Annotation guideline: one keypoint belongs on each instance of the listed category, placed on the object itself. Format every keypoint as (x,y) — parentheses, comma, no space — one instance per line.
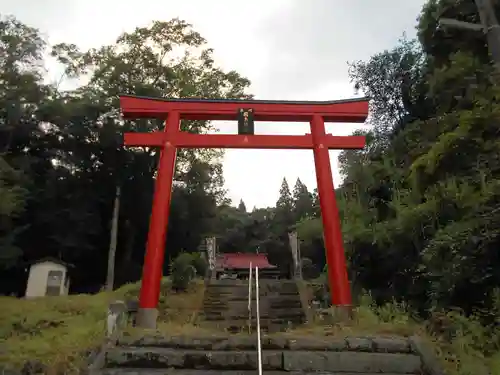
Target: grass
(57,331)
(60,331)
(463,344)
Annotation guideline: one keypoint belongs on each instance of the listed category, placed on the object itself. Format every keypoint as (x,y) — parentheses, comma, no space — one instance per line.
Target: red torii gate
(174,110)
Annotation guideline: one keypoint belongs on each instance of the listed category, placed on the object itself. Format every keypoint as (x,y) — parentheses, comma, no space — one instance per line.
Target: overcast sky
(289,49)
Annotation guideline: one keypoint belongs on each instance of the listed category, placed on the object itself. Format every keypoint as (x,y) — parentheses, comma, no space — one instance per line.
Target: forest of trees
(420,205)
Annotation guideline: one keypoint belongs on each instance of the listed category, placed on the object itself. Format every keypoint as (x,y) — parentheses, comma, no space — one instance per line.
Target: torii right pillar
(340,289)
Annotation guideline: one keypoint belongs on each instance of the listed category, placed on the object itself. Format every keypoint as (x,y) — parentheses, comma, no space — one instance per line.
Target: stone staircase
(281,354)
(225,305)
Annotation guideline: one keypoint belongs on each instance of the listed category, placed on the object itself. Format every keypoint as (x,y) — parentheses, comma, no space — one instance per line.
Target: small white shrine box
(48,277)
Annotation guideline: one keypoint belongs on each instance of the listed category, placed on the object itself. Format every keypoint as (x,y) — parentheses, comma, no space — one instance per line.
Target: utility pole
(110,278)
(489,25)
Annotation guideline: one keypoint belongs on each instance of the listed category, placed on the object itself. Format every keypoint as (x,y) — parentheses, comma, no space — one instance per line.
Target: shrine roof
(51,260)
(243,261)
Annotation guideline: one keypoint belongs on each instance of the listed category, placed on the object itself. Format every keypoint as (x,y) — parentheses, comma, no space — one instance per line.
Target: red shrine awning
(243,261)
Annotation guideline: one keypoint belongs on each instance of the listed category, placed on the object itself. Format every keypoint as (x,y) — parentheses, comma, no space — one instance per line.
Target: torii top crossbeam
(351,110)
(348,110)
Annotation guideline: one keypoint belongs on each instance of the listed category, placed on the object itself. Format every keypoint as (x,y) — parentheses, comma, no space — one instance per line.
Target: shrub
(200,264)
(182,271)
(309,270)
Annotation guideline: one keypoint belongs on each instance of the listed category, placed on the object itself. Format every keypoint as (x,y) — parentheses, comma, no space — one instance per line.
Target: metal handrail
(250,298)
(257,311)
(257,308)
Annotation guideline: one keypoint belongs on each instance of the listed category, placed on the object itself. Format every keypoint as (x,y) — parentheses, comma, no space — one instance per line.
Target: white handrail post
(259,349)
(250,299)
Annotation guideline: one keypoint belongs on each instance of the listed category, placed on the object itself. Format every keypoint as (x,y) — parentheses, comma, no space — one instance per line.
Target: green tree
(302,201)
(410,226)
(12,203)
(241,206)
(285,201)
(64,153)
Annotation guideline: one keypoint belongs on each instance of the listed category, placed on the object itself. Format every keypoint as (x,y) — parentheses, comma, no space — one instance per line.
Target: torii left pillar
(158,227)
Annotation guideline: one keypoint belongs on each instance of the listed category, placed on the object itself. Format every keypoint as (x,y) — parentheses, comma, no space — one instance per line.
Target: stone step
(217,301)
(278,304)
(237,297)
(235,301)
(271,299)
(244,289)
(230,294)
(262,311)
(262,282)
(245,281)
(241,325)
(142,371)
(279,286)
(286,306)
(295,311)
(243,320)
(216,307)
(243,305)
(241,289)
(243,313)
(264,319)
(275,360)
(228,298)
(274,342)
